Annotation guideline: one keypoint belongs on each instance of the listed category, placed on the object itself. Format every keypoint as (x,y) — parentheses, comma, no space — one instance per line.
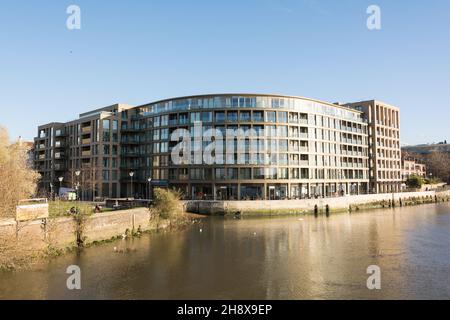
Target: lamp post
(131,176)
(60,179)
(51,191)
(149,187)
(77,173)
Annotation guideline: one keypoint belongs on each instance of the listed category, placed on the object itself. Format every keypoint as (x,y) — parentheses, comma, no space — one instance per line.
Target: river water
(299,257)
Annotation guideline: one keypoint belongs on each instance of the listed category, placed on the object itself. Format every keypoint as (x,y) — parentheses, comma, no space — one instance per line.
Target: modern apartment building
(384,145)
(283,147)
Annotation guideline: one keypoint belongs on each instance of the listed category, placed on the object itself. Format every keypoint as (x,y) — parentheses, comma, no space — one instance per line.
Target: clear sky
(139,51)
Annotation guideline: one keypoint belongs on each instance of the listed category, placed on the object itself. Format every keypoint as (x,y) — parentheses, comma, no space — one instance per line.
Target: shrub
(167,203)
(414,182)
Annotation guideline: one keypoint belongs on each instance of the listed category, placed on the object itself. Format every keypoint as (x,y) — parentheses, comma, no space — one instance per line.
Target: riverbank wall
(311,206)
(64,232)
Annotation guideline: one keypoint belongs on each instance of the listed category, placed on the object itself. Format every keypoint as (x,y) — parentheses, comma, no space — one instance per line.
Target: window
(206,117)
(271,116)
(164,120)
(258,116)
(282,173)
(245,173)
(106,124)
(220,173)
(282,145)
(164,134)
(282,116)
(244,116)
(258,173)
(156,134)
(232,173)
(232,116)
(220,116)
(282,131)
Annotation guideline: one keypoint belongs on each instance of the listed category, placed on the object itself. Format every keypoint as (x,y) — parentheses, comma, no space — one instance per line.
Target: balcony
(59,144)
(86,141)
(60,167)
(303,149)
(304,163)
(130,129)
(59,155)
(41,157)
(41,146)
(60,133)
(86,129)
(87,153)
(130,154)
(130,141)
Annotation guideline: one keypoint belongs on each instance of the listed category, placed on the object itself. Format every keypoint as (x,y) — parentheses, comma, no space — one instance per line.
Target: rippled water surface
(262,258)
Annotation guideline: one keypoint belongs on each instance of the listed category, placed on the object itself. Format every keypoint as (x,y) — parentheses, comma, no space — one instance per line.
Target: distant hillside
(427,148)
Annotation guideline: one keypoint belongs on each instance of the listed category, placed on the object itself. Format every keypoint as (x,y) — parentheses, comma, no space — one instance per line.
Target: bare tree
(438,164)
(17,181)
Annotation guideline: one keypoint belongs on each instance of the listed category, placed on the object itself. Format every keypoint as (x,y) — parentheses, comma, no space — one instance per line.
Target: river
(299,257)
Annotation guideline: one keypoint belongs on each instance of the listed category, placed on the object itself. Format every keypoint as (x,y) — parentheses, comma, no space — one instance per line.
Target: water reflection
(270,258)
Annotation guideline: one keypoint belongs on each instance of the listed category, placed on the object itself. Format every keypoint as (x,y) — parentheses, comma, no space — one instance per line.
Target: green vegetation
(62,208)
(167,203)
(414,182)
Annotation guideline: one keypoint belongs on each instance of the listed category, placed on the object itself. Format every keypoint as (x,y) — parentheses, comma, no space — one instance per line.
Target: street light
(149,187)
(77,173)
(51,191)
(60,182)
(131,175)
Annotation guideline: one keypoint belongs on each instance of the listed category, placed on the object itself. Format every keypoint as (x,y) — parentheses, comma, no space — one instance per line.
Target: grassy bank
(62,208)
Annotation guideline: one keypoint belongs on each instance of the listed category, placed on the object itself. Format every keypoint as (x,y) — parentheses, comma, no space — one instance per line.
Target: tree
(17,180)
(414,182)
(438,163)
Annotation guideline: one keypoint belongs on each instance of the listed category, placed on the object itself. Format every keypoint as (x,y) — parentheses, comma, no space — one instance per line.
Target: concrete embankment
(310,206)
(64,232)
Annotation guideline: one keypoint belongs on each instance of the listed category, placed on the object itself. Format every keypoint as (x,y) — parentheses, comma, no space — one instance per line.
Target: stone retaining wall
(305,205)
(61,232)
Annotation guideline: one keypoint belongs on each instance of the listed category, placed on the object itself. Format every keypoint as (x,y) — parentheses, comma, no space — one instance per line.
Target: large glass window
(282,117)
(206,117)
(220,174)
(245,173)
(258,116)
(232,116)
(271,116)
(244,116)
(220,116)
(195,117)
(282,131)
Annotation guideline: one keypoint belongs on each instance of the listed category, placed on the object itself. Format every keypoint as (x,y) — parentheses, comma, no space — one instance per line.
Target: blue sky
(139,51)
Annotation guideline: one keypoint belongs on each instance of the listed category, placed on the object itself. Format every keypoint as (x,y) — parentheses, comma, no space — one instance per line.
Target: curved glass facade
(296,147)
